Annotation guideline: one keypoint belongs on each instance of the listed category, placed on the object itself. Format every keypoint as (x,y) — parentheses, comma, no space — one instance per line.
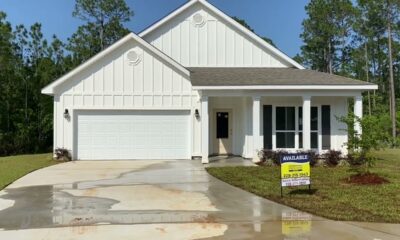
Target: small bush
(314,156)
(265,154)
(332,157)
(274,156)
(343,163)
(62,154)
(356,159)
(362,161)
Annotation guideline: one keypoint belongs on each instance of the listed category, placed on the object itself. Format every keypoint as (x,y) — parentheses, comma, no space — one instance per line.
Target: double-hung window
(314,127)
(285,127)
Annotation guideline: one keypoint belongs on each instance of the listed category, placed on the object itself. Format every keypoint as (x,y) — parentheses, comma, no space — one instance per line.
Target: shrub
(362,160)
(274,156)
(62,154)
(265,154)
(374,136)
(344,163)
(314,156)
(332,157)
(356,158)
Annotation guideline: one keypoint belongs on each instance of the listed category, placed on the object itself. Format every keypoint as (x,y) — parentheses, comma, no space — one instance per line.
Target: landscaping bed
(332,197)
(14,167)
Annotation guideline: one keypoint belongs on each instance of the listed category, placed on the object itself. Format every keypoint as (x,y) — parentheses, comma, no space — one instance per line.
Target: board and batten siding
(215,43)
(113,83)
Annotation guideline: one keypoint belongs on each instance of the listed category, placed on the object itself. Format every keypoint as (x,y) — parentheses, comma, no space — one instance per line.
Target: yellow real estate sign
(295,170)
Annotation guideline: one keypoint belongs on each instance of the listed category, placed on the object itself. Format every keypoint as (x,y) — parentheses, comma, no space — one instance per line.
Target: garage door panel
(133,135)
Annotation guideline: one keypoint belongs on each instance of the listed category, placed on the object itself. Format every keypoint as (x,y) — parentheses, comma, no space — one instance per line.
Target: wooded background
(359,40)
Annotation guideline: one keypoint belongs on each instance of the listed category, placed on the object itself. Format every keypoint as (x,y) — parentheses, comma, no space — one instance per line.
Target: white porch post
(204,129)
(306,122)
(358,112)
(256,127)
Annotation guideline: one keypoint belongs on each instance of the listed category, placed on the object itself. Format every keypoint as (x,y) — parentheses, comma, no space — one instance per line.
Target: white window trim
(297,131)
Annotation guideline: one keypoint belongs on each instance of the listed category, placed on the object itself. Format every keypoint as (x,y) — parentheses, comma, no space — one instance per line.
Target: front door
(223,133)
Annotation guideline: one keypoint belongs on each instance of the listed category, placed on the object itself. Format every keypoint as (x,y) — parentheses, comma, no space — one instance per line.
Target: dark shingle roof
(265,76)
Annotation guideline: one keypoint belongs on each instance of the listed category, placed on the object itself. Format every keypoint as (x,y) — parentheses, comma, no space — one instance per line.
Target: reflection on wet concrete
(181,192)
(296,224)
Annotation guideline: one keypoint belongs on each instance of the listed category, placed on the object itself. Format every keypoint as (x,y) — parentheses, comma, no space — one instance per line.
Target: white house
(195,84)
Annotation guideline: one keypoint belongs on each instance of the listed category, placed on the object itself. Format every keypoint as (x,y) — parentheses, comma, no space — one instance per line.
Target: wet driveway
(155,200)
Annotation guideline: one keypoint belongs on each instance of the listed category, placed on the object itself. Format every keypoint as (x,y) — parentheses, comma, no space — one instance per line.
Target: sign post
(295,171)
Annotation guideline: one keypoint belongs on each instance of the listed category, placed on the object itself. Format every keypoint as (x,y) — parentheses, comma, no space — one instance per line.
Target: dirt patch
(366,179)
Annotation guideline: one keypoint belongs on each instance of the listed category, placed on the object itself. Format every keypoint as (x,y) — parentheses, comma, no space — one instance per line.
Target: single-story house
(194,84)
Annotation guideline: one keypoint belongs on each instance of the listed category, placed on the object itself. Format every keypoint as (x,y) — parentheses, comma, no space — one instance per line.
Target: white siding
(114,83)
(216,43)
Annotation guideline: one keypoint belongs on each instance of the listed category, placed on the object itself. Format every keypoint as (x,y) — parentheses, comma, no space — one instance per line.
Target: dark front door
(223,138)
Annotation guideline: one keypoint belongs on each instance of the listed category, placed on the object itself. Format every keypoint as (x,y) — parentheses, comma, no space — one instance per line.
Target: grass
(331,197)
(14,167)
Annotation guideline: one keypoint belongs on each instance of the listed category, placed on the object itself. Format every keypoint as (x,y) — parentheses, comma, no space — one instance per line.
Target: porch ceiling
(268,77)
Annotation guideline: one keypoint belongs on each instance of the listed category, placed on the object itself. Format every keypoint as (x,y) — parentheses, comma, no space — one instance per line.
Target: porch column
(306,122)
(256,127)
(204,130)
(358,112)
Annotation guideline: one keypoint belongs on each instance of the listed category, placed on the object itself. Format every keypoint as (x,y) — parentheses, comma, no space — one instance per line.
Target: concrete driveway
(155,200)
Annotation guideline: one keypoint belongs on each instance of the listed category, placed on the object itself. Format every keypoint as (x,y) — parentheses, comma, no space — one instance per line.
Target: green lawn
(14,167)
(332,198)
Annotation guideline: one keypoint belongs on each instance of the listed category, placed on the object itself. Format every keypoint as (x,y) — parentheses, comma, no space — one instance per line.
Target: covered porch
(245,110)
(242,123)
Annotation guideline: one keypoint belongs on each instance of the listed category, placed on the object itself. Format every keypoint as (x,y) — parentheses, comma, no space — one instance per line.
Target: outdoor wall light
(66,114)
(197,114)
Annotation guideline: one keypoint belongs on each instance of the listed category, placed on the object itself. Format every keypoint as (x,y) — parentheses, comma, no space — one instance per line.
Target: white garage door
(105,135)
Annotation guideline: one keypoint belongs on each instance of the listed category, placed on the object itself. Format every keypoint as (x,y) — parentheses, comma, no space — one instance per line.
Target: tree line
(28,62)
(358,39)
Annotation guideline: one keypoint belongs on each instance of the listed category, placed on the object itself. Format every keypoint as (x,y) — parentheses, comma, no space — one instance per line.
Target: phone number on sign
(296,175)
(295,182)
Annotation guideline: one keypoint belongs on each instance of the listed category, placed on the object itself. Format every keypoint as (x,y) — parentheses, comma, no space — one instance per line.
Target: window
(314,127)
(285,127)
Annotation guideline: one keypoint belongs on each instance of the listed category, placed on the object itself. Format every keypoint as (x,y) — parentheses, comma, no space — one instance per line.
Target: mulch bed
(366,179)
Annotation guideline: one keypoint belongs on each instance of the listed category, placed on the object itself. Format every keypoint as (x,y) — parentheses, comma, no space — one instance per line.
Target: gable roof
(50,89)
(271,78)
(228,19)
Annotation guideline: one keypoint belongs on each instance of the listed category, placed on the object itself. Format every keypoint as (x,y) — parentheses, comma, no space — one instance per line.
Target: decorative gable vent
(133,57)
(198,20)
